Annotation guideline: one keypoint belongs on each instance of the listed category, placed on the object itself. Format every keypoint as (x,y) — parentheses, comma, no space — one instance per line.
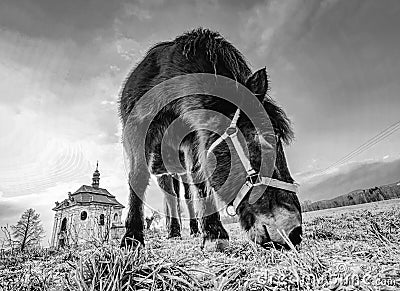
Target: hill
(373,194)
(346,178)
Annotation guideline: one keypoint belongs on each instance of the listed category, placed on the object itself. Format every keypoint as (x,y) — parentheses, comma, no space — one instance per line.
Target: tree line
(385,192)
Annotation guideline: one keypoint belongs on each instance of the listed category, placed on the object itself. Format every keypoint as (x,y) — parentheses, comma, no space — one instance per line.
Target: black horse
(276,212)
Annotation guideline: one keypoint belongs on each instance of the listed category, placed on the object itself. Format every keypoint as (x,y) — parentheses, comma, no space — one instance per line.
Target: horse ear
(258,83)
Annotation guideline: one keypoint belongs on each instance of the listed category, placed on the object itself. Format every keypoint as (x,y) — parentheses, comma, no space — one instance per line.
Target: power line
(368,144)
(377,138)
(371,142)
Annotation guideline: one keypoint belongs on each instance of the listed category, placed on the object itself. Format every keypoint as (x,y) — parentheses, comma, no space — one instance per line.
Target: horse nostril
(295,235)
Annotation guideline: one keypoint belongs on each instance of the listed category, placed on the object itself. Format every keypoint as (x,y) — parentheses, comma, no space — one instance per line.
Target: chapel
(90,214)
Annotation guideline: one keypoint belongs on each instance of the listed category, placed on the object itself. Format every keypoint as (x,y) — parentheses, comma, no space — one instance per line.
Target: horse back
(198,51)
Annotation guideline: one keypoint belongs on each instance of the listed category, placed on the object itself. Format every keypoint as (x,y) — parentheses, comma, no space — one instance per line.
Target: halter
(253,178)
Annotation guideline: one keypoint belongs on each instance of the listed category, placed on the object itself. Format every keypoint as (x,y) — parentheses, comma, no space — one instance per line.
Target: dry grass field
(350,248)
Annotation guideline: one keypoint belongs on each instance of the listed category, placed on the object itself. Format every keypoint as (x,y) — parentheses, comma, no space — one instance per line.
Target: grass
(353,249)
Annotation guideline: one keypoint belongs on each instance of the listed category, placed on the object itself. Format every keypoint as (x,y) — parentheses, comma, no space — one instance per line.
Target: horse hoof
(174,236)
(130,244)
(221,245)
(218,245)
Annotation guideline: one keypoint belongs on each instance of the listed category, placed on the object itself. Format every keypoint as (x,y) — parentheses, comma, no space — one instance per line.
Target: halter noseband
(253,178)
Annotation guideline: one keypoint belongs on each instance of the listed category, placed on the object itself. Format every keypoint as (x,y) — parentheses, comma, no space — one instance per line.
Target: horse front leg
(211,224)
(134,224)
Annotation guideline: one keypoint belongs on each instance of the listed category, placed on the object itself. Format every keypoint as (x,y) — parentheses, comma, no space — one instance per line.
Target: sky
(334,67)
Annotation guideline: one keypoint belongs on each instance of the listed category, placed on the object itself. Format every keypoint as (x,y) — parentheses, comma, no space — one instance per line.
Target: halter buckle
(254,179)
(230,210)
(231,131)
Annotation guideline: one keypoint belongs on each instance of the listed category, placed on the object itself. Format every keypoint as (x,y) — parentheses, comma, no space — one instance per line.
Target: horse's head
(277,211)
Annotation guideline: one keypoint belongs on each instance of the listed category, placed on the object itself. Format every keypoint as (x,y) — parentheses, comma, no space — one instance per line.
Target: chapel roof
(88,195)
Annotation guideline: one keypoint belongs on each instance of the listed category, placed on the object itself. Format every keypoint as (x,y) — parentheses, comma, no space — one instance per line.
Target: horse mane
(203,51)
(280,121)
(217,49)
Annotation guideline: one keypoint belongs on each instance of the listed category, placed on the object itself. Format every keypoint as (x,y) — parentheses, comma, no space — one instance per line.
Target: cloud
(67,89)
(51,109)
(56,162)
(9,212)
(60,20)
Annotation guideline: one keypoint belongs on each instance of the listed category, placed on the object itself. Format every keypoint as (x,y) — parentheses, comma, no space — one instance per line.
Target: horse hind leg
(194,227)
(167,215)
(166,185)
(177,187)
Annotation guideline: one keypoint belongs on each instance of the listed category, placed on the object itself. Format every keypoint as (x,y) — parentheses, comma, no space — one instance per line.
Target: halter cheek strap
(253,180)
(259,188)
